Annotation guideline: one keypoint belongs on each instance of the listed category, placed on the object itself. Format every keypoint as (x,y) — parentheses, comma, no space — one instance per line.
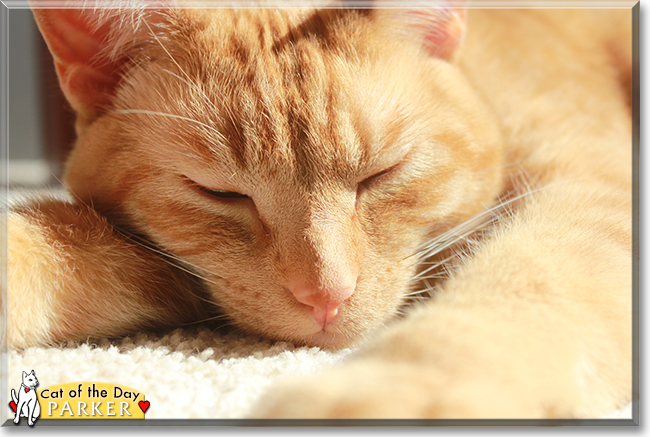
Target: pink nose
(324,303)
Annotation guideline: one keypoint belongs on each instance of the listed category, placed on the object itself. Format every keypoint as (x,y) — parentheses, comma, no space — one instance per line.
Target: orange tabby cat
(307,171)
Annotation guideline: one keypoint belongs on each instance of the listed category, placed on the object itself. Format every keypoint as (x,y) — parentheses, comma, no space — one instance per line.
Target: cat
(26,401)
(309,172)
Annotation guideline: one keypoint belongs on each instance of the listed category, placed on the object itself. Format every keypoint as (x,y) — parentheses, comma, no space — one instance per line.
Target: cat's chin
(338,335)
(330,340)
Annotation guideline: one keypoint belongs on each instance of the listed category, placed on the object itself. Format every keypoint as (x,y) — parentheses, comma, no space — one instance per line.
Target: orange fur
(343,147)
(72,276)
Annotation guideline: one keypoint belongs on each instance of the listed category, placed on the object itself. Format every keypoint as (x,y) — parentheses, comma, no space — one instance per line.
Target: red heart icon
(13,406)
(144,406)
(26,390)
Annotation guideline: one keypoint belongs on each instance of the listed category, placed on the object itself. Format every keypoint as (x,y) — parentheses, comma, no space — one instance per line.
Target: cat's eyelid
(224,194)
(388,162)
(209,183)
(388,159)
(221,192)
(381,173)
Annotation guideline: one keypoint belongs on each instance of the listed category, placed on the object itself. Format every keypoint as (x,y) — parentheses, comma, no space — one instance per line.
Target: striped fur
(387,153)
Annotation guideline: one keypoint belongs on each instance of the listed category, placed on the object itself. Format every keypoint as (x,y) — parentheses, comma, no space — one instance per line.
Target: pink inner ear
(442,29)
(87,80)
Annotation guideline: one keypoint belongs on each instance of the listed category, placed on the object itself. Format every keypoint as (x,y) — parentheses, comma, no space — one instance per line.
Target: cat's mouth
(333,330)
(323,317)
(302,329)
(320,326)
(330,338)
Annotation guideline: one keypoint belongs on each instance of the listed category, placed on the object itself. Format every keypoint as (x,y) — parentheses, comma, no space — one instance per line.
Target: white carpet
(223,374)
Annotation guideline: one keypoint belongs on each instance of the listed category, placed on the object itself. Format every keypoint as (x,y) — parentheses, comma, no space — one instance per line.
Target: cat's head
(29,379)
(294,158)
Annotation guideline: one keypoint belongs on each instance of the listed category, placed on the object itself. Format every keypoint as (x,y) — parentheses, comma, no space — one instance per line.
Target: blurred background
(40,122)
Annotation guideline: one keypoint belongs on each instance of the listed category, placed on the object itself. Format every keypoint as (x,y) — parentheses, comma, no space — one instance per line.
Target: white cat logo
(26,403)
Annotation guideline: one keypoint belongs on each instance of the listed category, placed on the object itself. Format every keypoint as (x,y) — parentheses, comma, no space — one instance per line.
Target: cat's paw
(375,389)
(349,392)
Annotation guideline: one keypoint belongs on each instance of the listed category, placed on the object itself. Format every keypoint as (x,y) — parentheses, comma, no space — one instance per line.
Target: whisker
(461,232)
(451,238)
(146,244)
(455,234)
(197,86)
(219,317)
(468,227)
(234,328)
(188,81)
(165,114)
(433,267)
(165,256)
(162,46)
(179,263)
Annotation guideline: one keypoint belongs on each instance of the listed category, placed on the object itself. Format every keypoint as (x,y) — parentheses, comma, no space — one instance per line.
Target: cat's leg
(71,276)
(36,412)
(30,411)
(536,324)
(21,409)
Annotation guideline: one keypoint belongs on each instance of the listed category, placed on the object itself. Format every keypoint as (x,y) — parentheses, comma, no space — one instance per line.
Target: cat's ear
(75,40)
(83,43)
(25,374)
(439,26)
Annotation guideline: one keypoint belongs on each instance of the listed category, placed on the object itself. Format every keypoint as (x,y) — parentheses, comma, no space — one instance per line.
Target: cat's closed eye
(216,193)
(368,182)
(224,194)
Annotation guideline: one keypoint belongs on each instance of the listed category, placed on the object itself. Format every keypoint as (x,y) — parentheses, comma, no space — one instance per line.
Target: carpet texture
(185,374)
